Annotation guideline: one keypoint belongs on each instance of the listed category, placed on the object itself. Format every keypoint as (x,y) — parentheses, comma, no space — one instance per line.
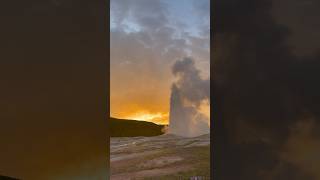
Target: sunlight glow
(159,118)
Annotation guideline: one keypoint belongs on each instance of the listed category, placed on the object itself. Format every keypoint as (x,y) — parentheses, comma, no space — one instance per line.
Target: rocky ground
(160,157)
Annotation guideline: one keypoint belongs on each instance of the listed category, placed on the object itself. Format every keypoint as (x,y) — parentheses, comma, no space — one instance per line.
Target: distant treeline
(131,128)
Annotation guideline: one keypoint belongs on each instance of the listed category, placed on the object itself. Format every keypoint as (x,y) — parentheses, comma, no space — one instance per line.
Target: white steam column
(187,95)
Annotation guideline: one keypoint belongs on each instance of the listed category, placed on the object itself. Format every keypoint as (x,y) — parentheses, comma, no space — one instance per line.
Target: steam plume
(188,95)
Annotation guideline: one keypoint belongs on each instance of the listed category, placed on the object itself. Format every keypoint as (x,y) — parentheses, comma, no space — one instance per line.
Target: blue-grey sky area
(147,38)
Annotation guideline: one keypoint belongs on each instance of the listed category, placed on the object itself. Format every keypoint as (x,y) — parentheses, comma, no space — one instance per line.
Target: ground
(160,157)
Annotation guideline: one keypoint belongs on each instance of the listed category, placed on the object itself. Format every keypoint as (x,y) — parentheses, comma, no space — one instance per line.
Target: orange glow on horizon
(158,118)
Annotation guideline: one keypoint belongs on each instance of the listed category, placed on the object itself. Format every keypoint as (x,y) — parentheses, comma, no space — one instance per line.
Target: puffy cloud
(188,93)
(145,43)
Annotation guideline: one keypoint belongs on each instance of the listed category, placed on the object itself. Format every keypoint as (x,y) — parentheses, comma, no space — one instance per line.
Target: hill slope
(131,128)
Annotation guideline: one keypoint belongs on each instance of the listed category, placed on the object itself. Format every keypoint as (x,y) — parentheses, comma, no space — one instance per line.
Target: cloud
(190,83)
(202,9)
(188,93)
(149,15)
(145,43)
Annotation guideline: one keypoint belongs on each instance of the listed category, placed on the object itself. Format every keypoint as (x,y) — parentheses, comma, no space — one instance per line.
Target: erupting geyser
(189,94)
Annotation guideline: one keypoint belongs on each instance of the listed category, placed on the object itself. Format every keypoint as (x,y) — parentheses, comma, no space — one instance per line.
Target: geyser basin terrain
(160,157)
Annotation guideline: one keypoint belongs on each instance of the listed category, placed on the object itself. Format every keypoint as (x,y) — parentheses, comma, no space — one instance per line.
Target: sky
(146,39)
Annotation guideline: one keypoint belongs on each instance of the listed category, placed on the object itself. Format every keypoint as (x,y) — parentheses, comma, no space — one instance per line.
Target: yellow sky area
(140,107)
(143,115)
(136,112)
(143,106)
(139,95)
(158,118)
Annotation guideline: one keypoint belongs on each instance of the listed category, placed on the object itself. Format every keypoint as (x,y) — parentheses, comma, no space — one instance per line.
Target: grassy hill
(131,128)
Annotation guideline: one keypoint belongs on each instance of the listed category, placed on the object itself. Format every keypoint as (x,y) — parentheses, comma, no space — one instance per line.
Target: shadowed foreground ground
(160,157)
